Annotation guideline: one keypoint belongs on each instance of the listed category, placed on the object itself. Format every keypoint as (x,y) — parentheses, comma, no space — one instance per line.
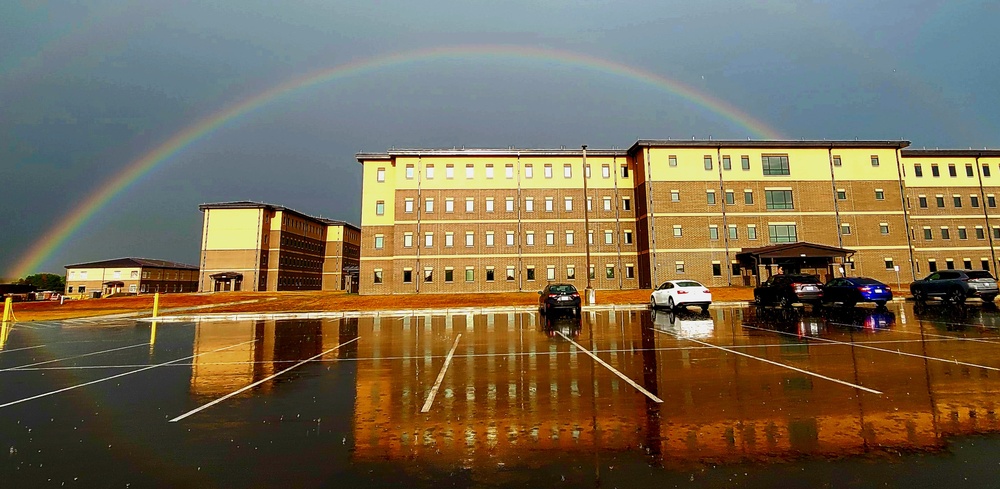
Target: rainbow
(46,245)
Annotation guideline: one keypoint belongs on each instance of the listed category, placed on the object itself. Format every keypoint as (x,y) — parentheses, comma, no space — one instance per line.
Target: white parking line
(894,352)
(255,384)
(789,367)
(440,377)
(19,349)
(123,374)
(616,372)
(73,357)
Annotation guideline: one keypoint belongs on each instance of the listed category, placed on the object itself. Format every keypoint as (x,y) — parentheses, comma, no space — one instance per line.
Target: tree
(45,281)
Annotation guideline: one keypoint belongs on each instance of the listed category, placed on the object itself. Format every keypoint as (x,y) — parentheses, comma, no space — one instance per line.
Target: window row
(962,232)
(970,170)
(777,233)
(548,203)
(490,238)
(949,264)
(770,164)
(939,201)
(490,274)
(509,171)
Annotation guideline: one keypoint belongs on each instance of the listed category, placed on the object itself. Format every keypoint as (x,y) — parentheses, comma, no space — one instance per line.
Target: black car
(787,289)
(955,286)
(559,297)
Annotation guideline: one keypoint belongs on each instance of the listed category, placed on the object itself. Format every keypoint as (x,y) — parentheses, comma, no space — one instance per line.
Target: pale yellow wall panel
(233,229)
(374,191)
(961,179)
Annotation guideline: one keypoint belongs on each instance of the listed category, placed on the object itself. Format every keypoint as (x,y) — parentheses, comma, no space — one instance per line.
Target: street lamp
(591,298)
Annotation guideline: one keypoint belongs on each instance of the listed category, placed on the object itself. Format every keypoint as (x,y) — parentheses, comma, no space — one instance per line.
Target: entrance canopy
(798,257)
(227,276)
(114,284)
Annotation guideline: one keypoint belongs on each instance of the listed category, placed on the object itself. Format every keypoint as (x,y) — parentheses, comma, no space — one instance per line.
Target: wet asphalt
(738,397)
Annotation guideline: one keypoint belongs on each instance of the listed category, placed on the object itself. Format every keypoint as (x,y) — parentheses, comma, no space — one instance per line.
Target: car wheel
(786,301)
(652,303)
(670,304)
(956,296)
(918,295)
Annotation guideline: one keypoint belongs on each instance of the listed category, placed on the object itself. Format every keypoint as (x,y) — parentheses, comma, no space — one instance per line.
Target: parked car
(674,294)
(852,290)
(955,286)
(787,289)
(559,296)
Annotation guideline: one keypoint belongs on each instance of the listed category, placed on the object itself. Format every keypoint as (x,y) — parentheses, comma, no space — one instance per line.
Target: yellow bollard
(4,332)
(156,304)
(8,309)
(152,337)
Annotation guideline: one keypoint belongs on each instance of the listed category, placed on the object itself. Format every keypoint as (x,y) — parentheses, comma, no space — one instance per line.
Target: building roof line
(250,204)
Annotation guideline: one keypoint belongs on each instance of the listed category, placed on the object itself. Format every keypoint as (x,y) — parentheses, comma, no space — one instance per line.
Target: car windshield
(562,289)
(688,283)
(979,274)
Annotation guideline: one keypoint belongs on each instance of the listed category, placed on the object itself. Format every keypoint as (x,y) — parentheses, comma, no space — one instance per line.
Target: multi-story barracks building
(505,220)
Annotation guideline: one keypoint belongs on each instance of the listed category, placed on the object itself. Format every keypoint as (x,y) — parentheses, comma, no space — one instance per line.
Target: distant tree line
(44,281)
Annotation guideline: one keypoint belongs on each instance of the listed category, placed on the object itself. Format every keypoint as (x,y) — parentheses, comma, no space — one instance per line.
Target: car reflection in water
(869,319)
(552,325)
(789,321)
(684,323)
(949,316)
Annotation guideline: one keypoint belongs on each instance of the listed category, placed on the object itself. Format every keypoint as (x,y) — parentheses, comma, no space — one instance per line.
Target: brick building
(129,276)
(257,246)
(479,220)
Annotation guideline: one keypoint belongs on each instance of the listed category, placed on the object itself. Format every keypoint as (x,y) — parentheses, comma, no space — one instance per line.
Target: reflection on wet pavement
(520,392)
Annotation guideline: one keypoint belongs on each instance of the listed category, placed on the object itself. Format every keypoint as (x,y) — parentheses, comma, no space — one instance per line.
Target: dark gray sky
(88,87)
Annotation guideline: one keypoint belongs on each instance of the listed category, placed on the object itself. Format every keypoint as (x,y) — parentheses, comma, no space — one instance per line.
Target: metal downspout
(986,214)
(650,221)
(417,271)
(900,173)
(618,224)
(725,220)
(836,204)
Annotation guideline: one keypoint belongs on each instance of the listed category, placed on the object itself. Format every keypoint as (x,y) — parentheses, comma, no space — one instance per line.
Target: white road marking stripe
(440,377)
(71,358)
(616,372)
(130,372)
(895,352)
(796,369)
(19,349)
(255,384)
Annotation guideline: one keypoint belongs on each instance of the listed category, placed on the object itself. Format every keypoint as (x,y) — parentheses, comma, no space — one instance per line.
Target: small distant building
(129,276)
(254,246)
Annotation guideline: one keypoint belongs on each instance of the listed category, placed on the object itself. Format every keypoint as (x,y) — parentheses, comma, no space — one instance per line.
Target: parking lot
(737,396)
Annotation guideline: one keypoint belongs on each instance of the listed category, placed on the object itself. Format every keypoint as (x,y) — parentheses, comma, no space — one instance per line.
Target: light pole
(591,297)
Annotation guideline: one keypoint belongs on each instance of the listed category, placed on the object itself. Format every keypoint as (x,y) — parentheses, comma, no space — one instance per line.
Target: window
(470,172)
(409,172)
(726,163)
(606,171)
(927,233)
(708,162)
(449,239)
(449,171)
(70,289)
(490,276)
(548,171)
(745,162)
(969,172)
(510,274)
(549,204)
(429,170)
(678,231)
(627,237)
(939,199)
(470,239)
(380,177)
(567,171)
(951,171)
(609,271)
(672,160)
(751,231)
(675,195)
(957,200)
(376,279)
(408,205)
(529,204)
(82,289)
(408,240)
(984,264)
(974,200)
(710,196)
(845,229)
(996,232)
(379,241)
(945,233)
(380,208)
(449,274)
(607,203)
(624,171)
(626,204)
(932,265)
(836,160)
(470,204)
(510,238)
(962,234)
(629,270)
(879,194)
(778,199)
(470,274)
(489,204)
(748,197)
(730,197)
(428,240)
(509,204)
(918,170)
(569,203)
(489,171)
(986,170)
(489,238)
(407,275)
(889,265)
(713,232)
(935,171)
(949,264)
(529,273)
(923,201)
(529,171)
(570,272)
(529,238)
(586,171)
(569,238)
(841,194)
(678,267)
(733,234)
(874,160)
(592,272)
(991,201)
(782,233)
(967,263)
(716,269)
(609,237)
(428,205)
(550,272)
(550,238)
(883,228)
(428,275)
(774,165)
(508,171)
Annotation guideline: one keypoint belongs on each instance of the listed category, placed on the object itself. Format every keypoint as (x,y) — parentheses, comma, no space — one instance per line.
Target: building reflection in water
(518,387)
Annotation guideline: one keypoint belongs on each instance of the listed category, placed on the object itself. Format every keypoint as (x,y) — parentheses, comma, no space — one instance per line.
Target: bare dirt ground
(316,301)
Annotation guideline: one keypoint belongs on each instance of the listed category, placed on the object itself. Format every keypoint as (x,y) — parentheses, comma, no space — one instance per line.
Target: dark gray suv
(955,286)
